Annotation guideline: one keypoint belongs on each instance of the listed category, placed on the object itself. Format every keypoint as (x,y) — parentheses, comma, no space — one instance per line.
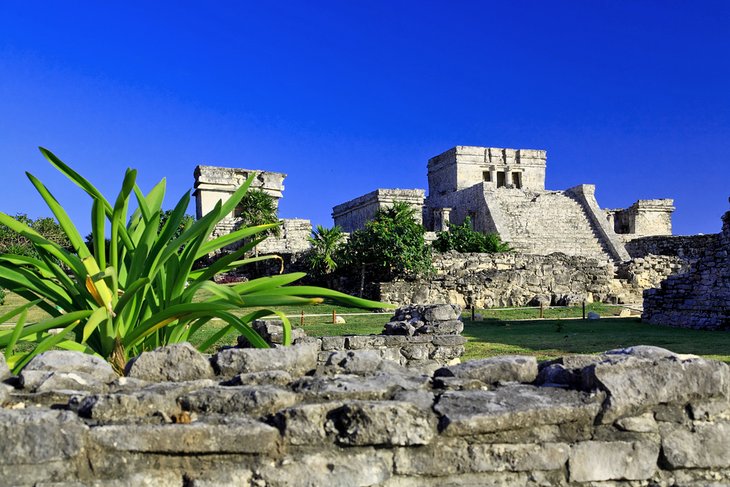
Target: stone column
(441,219)
(508,177)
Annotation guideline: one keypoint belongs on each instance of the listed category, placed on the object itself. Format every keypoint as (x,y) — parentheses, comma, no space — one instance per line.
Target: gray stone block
(177,363)
(390,423)
(306,424)
(251,400)
(64,369)
(518,458)
(513,407)
(508,368)
(593,461)
(635,385)
(242,436)
(706,445)
(4,370)
(297,360)
(358,362)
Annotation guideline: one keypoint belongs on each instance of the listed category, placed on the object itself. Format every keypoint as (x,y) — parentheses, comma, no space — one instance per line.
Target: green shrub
(391,245)
(12,242)
(2,296)
(324,255)
(137,293)
(462,238)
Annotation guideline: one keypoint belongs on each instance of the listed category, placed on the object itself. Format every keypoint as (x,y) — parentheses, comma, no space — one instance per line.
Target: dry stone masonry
(280,417)
(699,298)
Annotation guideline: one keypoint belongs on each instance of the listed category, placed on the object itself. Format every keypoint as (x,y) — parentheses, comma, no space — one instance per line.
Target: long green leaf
(67,225)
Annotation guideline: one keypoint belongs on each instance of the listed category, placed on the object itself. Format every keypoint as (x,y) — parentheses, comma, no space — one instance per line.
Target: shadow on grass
(553,338)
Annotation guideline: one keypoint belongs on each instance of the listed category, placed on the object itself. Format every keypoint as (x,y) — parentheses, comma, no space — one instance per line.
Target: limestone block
(273,377)
(252,400)
(296,360)
(706,445)
(37,436)
(639,424)
(353,387)
(518,458)
(598,461)
(179,362)
(242,436)
(513,407)
(391,423)
(507,368)
(635,384)
(448,457)
(358,362)
(151,404)
(348,469)
(64,369)
(307,424)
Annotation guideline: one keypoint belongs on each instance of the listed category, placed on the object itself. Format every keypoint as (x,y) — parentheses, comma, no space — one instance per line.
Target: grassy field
(515,331)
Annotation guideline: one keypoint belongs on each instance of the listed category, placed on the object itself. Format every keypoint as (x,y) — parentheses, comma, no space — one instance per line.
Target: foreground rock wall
(699,298)
(638,416)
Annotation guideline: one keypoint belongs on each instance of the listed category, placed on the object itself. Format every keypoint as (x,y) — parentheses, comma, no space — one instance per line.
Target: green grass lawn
(504,332)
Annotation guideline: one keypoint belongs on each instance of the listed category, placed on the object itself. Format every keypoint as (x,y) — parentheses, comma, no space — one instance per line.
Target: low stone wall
(637,416)
(637,275)
(699,298)
(687,247)
(506,279)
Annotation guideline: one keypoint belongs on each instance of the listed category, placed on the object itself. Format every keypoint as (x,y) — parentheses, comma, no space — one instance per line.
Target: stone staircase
(545,222)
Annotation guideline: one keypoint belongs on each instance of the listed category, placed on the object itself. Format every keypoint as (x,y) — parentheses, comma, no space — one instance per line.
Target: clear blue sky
(346,97)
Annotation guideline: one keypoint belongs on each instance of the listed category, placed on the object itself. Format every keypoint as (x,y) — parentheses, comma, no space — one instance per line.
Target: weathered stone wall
(688,247)
(643,218)
(265,418)
(353,214)
(699,298)
(506,279)
(515,279)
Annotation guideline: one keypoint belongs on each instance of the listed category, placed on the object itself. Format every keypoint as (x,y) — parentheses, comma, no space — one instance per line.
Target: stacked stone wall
(265,418)
(699,298)
(687,247)
(506,279)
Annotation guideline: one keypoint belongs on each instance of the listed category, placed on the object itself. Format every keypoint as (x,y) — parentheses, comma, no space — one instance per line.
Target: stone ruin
(699,297)
(503,191)
(307,415)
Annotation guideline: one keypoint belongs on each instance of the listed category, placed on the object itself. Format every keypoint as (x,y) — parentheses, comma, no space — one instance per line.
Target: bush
(391,245)
(2,296)
(462,238)
(137,294)
(13,243)
(323,257)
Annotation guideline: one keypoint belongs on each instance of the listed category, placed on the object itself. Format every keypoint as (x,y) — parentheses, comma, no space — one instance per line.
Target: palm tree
(325,245)
(257,208)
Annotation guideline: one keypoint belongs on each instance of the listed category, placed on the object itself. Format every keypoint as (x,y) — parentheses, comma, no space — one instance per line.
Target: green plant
(13,243)
(326,244)
(391,245)
(2,296)
(257,208)
(137,294)
(462,238)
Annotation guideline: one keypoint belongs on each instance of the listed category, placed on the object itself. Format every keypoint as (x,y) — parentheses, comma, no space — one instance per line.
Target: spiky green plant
(137,293)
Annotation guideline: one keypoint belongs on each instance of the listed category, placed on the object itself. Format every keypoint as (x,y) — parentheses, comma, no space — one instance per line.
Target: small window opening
(487,176)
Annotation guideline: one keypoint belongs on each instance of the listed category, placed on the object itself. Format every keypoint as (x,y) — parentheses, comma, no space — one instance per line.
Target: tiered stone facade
(699,298)
(275,418)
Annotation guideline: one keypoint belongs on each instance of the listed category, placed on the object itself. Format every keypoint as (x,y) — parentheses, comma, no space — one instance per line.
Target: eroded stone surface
(704,446)
(63,369)
(519,406)
(179,362)
(390,423)
(297,360)
(597,461)
(508,368)
(251,400)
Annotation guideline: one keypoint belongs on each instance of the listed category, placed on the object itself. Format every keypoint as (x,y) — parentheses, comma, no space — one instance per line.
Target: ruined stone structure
(353,214)
(279,417)
(214,184)
(503,191)
(699,298)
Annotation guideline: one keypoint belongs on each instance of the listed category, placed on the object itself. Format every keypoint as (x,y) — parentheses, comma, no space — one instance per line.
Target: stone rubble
(634,416)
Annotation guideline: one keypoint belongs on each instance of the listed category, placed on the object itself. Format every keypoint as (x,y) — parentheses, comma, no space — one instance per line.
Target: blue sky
(346,97)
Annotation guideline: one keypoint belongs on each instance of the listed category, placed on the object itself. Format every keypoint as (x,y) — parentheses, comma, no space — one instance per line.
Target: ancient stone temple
(699,298)
(503,191)
(214,183)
